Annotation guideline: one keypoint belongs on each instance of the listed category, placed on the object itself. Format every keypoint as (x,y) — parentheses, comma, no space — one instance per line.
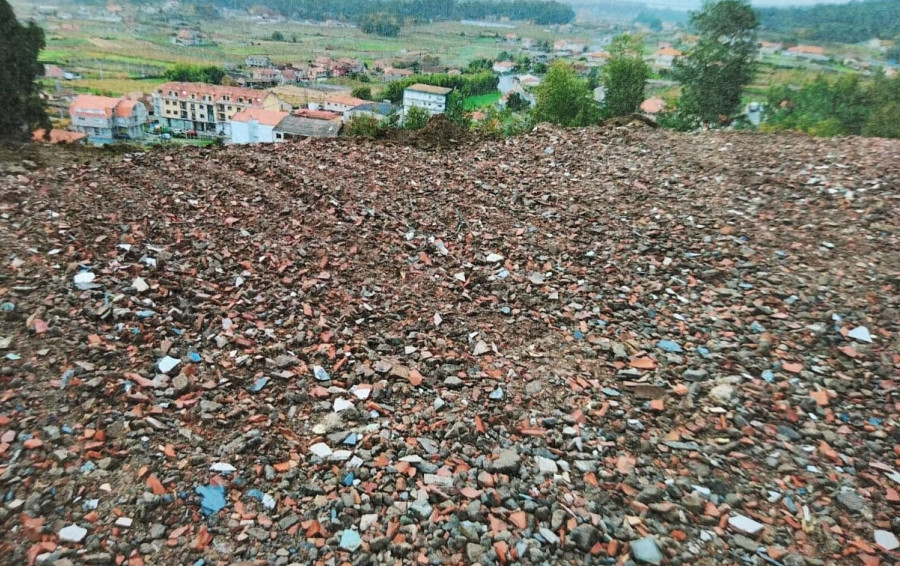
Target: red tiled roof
(125,108)
(184,90)
(653,105)
(264,117)
(317,114)
(92,105)
(669,52)
(808,49)
(345,100)
(59,136)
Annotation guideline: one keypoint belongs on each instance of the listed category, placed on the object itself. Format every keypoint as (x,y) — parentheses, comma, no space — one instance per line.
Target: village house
(187,37)
(206,108)
(299,127)
(808,52)
(431,98)
(395,74)
(652,107)
(53,72)
(267,76)
(769,48)
(380,111)
(598,58)
(665,57)
(290,96)
(104,119)
(341,102)
(255,125)
(257,61)
(504,67)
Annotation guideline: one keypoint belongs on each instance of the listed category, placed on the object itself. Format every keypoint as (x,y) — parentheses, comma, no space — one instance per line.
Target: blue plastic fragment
(757,327)
(254,493)
(669,346)
(348,479)
(350,540)
(13,357)
(260,383)
(768,375)
(578,335)
(200,562)
(64,380)
(703,351)
(351,439)
(845,417)
(128,385)
(66,429)
(213,498)
(88,467)
(8,307)
(145,314)
(195,357)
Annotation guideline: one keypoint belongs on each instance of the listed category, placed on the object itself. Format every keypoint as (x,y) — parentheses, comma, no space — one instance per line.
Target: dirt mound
(439,132)
(620,121)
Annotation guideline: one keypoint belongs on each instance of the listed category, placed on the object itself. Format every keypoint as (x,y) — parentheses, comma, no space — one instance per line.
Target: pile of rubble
(587,346)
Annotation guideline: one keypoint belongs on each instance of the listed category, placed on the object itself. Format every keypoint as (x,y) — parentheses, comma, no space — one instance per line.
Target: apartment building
(206,108)
(431,98)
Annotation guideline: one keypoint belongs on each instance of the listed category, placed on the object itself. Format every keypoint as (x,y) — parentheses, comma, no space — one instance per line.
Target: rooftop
(430,89)
(264,117)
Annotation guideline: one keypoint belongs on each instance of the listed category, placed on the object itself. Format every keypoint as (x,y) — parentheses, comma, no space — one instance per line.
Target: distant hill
(539,11)
(844,23)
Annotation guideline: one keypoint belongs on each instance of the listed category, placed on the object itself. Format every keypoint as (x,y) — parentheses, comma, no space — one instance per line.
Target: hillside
(607,342)
(845,23)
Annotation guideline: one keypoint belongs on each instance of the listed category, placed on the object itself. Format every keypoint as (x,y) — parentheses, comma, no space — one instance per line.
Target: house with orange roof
(653,106)
(342,103)
(204,107)
(255,125)
(808,52)
(104,119)
(665,57)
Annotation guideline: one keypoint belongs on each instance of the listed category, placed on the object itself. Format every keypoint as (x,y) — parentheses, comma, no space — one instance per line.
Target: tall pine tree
(19,70)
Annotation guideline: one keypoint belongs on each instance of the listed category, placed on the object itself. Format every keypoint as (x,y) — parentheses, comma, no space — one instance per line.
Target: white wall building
(431,98)
(255,125)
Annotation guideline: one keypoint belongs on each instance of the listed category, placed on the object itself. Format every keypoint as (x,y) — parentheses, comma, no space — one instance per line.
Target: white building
(105,119)
(255,125)
(431,98)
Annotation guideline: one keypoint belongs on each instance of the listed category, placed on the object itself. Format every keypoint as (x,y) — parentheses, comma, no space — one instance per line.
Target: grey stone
(585,536)
(507,462)
(646,550)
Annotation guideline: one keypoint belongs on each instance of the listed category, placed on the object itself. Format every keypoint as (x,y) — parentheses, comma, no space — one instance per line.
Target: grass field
(481,101)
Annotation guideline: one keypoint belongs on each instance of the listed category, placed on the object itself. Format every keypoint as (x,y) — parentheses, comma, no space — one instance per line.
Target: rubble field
(600,346)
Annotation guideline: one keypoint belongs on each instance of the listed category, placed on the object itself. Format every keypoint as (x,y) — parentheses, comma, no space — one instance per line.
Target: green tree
(362,92)
(625,76)
(209,74)
(564,98)
(718,67)
(416,118)
(19,71)
(364,127)
(380,23)
(277,36)
(517,103)
(455,109)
